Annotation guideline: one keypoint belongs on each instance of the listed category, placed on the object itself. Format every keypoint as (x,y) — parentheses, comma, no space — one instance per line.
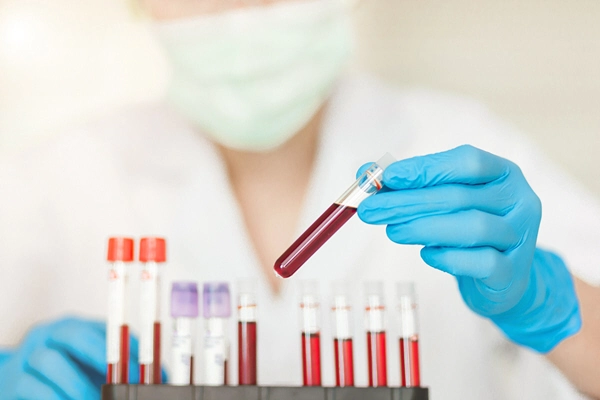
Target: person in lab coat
(263,130)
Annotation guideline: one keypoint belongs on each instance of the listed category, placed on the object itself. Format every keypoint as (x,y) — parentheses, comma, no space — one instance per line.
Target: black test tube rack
(167,392)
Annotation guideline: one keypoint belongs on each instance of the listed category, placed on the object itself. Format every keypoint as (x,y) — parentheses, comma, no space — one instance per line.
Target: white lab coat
(147,172)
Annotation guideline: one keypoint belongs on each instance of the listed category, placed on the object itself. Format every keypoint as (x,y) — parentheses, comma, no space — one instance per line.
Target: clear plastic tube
(376,334)
(410,373)
(342,336)
(152,254)
(369,183)
(184,311)
(311,334)
(247,364)
(120,253)
(216,311)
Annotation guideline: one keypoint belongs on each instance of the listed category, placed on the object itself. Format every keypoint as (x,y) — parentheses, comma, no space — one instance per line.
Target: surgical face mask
(253,77)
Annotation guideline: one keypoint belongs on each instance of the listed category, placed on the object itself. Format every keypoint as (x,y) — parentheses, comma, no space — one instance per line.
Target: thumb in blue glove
(59,360)
(478,219)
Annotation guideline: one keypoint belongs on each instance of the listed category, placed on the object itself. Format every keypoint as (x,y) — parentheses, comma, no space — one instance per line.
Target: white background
(534,62)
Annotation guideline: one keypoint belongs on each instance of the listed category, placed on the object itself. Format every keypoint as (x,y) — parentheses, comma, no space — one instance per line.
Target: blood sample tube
(376,337)
(184,311)
(311,335)
(152,253)
(247,333)
(332,219)
(342,336)
(410,374)
(120,252)
(216,311)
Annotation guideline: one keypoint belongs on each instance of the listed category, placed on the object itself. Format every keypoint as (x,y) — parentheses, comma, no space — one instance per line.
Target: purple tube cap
(184,300)
(217,301)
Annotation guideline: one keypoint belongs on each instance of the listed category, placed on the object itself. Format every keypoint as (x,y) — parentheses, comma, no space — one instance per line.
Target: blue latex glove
(61,360)
(478,219)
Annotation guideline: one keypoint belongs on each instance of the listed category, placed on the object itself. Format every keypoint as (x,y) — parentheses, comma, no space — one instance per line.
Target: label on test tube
(310,314)
(184,310)
(247,309)
(116,315)
(148,307)
(375,320)
(215,352)
(182,352)
(341,309)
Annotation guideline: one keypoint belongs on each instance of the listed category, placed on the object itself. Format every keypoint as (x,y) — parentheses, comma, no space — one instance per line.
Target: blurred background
(535,63)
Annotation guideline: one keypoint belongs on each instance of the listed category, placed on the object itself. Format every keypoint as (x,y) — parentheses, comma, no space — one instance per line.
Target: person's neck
(297,155)
(270,189)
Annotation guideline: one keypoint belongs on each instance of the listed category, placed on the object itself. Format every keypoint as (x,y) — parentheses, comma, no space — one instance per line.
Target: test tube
(376,337)
(369,183)
(311,334)
(216,311)
(152,253)
(184,311)
(247,333)
(120,252)
(342,336)
(410,375)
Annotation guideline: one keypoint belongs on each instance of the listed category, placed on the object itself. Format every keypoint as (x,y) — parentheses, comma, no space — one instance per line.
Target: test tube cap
(405,291)
(184,299)
(374,288)
(217,300)
(386,160)
(246,289)
(153,249)
(120,249)
(309,292)
(340,291)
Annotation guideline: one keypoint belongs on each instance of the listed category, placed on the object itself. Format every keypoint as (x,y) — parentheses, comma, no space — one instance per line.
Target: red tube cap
(153,249)
(120,249)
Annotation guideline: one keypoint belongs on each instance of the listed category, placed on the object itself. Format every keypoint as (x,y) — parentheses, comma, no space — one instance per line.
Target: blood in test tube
(311,334)
(120,253)
(216,312)
(369,183)
(410,373)
(184,311)
(376,335)
(342,336)
(247,365)
(152,255)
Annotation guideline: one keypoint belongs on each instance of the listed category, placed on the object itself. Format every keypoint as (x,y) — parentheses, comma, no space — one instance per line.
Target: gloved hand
(478,219)
(61,360)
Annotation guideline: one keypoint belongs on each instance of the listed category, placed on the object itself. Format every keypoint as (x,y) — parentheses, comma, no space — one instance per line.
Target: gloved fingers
(465,164)
(400,206)
(29,387)
(84,341)
(465,229)
(491,266)
(62,373)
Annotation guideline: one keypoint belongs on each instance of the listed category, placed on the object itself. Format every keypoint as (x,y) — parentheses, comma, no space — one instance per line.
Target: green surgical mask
(253,77)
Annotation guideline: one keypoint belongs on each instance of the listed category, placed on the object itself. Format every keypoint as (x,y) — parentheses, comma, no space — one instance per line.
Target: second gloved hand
(478,219)
(63,360)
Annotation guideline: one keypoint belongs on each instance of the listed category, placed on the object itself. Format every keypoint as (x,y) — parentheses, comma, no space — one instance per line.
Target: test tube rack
(162,392)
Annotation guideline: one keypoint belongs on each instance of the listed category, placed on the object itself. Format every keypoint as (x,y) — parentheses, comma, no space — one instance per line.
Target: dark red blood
(409,355)
(247,353)
(344,362)
(312,239)
(377,358)
(311,359)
